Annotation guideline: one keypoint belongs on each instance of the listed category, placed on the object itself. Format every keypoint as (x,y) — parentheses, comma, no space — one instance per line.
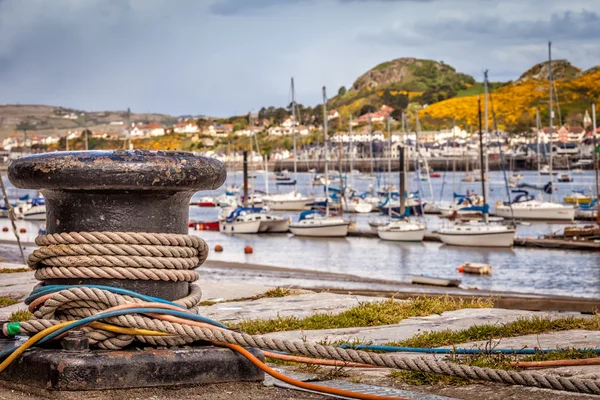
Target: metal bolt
(118,191)
(75,341)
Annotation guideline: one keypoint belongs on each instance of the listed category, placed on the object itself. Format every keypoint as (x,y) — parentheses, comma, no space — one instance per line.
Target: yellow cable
(30,342)
(127,331)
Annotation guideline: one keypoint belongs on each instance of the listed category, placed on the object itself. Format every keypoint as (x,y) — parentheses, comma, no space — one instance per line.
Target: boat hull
(329,230)
(537,213)
(240,227)
(402,235)
(35,213)
(274,226)
(289,205)
(491,239)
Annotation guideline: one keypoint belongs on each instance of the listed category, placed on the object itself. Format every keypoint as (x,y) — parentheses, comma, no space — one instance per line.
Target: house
(186,127)
(288,131)
(99,135)
(377,116)
(153,129)
(220,130)
(333,114)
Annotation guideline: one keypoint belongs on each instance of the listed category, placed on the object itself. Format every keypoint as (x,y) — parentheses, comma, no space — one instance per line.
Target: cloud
(237,7)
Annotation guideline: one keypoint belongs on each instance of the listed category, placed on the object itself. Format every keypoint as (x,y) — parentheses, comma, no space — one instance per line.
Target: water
(543,271)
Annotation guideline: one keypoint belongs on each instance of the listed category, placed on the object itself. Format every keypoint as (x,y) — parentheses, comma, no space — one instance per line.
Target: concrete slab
(302,305)
(225,291)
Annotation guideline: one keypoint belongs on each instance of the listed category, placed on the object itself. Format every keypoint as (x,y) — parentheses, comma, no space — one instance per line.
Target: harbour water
(525,270)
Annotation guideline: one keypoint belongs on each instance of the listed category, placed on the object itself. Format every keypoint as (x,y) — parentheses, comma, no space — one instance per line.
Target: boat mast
(537,126)
(481,157)
(453,158)
(371,144)
(487,137)
(407,159)
(342,197)
(595,157)
(402,176)
(325,140)
(551,110)
(351,139)
(389,168)
(294,137)
(251,154)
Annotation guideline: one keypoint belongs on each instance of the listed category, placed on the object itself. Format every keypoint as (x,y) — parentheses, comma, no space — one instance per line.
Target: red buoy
(5,229)
(248,250)
(218,248)
(22,230)
(461,269)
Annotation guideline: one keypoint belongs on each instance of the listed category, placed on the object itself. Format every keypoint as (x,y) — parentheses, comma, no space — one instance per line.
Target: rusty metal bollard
(119,191)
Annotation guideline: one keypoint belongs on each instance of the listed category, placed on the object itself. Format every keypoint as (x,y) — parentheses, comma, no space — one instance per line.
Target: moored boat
(525,206)
(402,231)
(435,281)
(313,223)
(477,234)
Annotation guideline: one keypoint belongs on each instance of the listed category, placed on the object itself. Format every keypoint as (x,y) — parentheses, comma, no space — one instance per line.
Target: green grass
(20,315)
(277,292)
(520,327)
(474,90)
(386,312)
(5,301)
(13,270)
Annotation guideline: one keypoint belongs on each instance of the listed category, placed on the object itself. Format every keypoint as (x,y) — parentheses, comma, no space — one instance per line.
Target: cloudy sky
(220,57)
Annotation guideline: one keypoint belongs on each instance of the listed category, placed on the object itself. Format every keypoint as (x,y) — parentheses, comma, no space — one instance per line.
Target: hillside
(45,120)
(398,81)
(515,104)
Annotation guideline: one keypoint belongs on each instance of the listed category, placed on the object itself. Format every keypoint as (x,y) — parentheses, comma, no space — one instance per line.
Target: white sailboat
(403,230)
(292,201)
(313,223)
(525,206)
(475,233)
(241,220)
(37,212)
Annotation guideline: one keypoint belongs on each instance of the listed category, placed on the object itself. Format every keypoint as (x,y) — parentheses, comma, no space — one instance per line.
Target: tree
(342,91)
(367,108)
(397,101)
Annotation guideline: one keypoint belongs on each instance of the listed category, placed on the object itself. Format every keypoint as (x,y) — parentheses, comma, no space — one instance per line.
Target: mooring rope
(77,250)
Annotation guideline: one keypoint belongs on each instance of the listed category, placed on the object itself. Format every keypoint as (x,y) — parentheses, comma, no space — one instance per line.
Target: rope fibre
(89,302)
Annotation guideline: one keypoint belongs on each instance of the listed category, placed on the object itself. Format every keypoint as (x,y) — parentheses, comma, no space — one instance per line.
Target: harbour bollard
(119,219)
(119,191)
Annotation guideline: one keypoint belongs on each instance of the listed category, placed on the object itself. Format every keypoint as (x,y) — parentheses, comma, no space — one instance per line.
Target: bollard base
(61,370)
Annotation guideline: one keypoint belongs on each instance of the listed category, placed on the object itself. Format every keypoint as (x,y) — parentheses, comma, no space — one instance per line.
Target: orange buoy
(461,268)
(22,230)
(5,229)
(218,248)
(248,250)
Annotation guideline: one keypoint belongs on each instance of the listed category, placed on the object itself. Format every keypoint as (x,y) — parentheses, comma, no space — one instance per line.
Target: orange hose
(34,304)
(304,385)
(317,361)
(555,363)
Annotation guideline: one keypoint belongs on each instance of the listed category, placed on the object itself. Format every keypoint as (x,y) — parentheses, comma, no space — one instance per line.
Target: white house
(153,129)
(186,127)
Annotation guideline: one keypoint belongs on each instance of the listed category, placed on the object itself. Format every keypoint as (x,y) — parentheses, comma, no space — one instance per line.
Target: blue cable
(44,290)
(437,350)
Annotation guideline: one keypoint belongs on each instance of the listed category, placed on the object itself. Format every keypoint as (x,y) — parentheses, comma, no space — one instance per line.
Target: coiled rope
(112,255)
(84,251)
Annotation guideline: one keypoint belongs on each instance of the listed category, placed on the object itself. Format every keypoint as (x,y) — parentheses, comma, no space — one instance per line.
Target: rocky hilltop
(562,70)
(410,74)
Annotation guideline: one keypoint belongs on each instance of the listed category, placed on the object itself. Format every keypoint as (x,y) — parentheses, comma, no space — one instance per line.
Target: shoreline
(404,290)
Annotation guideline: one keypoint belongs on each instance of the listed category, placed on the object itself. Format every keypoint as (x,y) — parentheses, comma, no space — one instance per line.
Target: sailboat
(525,206)
(313,223)
(292,201)
(402,230)
(475,233)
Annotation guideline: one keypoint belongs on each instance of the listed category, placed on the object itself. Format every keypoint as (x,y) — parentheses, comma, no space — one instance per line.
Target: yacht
(525,206)
(241,220)
(477,234)
(37,212)
(292,201)
(402,231)
(313,223)
(358,205)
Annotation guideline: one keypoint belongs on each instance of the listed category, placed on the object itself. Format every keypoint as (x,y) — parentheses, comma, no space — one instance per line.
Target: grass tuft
(386,312)
(13,270)
(20,316)
(519,327)
(277,292)
(6,301)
